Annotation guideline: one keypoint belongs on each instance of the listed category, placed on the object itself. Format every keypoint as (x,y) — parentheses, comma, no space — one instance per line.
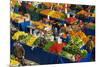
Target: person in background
(19,52)
(90,44)
(23,8)
(66,37)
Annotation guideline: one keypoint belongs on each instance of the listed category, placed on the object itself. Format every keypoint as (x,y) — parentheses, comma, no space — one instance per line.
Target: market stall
(53,33)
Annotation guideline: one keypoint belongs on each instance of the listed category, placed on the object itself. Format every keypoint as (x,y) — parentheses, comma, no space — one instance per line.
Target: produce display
(79,34)
(31,41)
(14,63)
(52,13)
(18,34)
(71,20)
(17,17)
(48,4)
(48,45)
(41,25)
(24,38)
(57,48)
(83,12)
(61,32)
(45,12)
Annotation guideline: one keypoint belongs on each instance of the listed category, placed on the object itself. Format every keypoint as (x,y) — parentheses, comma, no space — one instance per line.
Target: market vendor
(66,37)
(90,18)
(19,52)
(90,44)
(55,28)
(15,4)
(22,8)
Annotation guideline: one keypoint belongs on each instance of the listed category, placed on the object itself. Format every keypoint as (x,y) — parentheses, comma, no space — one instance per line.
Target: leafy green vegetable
(74,49)
(48,45)
(83,53)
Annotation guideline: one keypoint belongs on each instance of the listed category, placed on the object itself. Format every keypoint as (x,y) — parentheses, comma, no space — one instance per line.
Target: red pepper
(57,48)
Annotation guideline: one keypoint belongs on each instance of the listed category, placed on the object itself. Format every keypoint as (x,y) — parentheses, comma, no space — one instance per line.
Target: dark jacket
(19,51)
